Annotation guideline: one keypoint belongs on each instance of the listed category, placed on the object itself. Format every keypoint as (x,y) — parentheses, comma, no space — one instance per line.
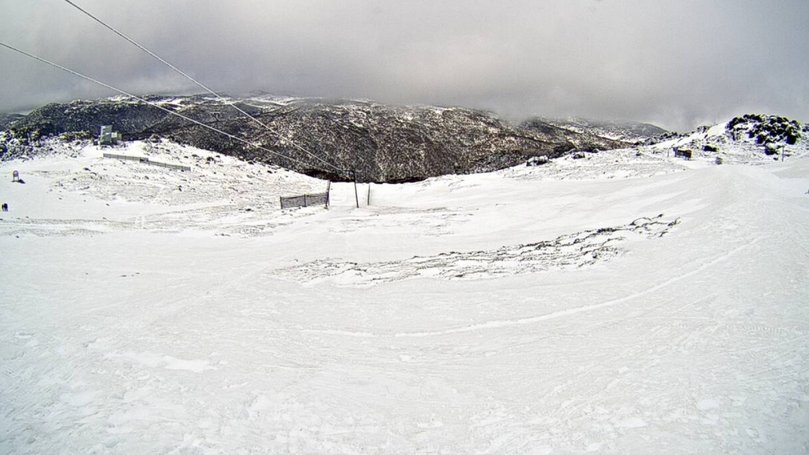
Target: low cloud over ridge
(676,63)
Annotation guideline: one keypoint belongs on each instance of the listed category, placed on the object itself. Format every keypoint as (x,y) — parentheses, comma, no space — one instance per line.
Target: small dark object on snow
(15,176)
(683,153)
(5,207)
(718,160)
(578,156)
(710,148)
(537,160)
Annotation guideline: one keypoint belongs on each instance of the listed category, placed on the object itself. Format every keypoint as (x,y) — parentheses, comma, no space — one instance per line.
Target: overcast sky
(675,63)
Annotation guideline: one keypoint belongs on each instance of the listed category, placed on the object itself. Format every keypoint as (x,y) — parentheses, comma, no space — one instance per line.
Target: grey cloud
(677,63)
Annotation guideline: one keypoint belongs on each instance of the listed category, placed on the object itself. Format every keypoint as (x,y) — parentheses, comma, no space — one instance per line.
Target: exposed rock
(765,129)
(537,161)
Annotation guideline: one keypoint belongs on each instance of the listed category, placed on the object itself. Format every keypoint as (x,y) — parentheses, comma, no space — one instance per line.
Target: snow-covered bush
(765,129)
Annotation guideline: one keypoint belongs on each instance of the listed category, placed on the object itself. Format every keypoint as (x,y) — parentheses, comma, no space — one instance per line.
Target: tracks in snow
(568,251)
(554,315)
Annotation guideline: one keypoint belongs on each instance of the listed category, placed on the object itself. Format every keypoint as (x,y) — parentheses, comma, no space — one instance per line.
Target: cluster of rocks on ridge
(768,134)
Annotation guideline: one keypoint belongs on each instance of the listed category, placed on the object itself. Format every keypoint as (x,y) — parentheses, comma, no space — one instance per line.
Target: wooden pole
(356,196)
(368,202)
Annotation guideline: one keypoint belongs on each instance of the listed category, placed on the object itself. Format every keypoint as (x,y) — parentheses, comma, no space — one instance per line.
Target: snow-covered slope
(73,189)
(748,137)
(633,132)
(621,302)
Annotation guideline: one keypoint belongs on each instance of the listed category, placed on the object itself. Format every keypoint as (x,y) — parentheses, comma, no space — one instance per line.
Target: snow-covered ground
(76,190)
(624,302)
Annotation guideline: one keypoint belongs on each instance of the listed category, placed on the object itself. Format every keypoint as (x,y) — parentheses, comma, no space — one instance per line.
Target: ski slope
(628,302)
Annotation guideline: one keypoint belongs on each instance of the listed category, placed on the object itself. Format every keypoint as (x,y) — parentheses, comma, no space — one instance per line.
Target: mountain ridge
(380,142)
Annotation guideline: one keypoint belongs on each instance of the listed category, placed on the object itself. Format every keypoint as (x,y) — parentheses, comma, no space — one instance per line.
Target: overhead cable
(143,100)
(200,84)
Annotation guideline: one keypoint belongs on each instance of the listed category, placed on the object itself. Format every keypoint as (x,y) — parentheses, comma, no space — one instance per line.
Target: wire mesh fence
(306,200)
(144,160)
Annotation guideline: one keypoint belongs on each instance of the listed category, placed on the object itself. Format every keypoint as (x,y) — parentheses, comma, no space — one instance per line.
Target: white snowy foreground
(482,314)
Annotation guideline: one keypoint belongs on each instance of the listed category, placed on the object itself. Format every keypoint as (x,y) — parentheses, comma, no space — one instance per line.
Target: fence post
(356,197)
(305,201)
(328,191)
(368,202)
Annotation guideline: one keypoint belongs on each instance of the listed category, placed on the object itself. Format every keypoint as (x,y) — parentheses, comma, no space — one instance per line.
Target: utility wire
(200,84)
(196,122)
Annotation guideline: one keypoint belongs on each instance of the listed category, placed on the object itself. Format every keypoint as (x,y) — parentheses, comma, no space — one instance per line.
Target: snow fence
(143,159)
(306,200)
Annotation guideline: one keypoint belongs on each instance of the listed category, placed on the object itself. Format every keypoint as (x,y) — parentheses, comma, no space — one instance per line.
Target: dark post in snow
(356,197)
(368,202)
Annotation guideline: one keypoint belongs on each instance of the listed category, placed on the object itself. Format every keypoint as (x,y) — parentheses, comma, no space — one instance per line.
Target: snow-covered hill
(631,132)
(71,188)
(332,138)
(614,302)
(750,136)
